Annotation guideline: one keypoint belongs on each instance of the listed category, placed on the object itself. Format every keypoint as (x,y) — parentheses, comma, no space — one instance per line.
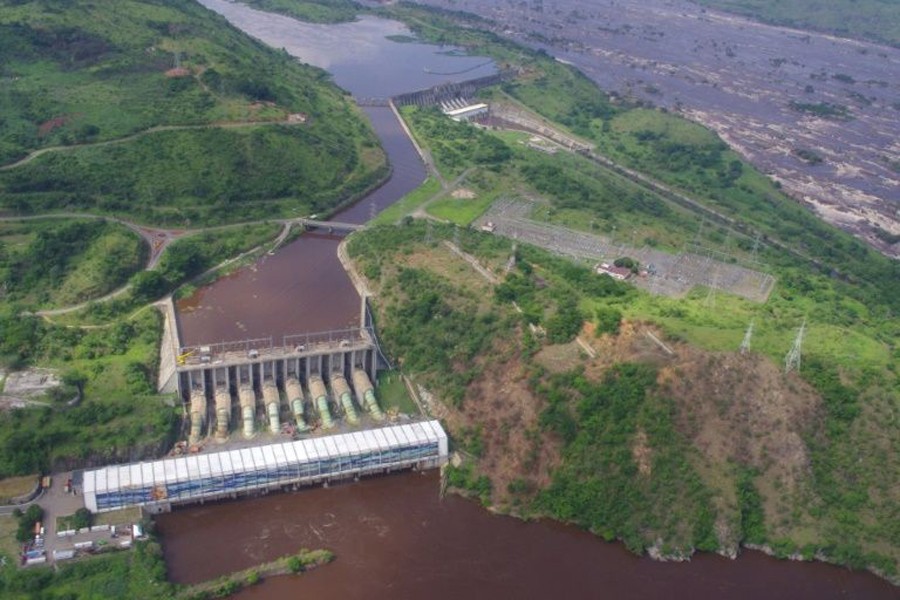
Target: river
(303,288)
(393,536)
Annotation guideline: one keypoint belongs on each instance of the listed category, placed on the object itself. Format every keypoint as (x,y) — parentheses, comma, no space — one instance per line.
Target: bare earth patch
(560,358)
(463,194)
(507,412)
(642,454)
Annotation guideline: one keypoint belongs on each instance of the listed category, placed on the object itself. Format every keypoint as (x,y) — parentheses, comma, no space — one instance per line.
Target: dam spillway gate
(256,385)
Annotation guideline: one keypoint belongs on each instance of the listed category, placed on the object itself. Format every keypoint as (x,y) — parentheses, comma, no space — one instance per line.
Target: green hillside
(875,20)
(669,438)
(162,103)
(314,11)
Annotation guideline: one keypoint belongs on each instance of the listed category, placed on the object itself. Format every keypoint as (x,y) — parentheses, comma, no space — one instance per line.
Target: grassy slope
(120,416)
(845,507)
(84,74)
(681,154)
(838,504)
(57,263)
(875,20)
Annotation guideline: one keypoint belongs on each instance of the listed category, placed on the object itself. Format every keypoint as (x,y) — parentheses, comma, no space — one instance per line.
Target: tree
(566,323)
(82,519)
(628,263)
(76,379)
(608,320)
(148,285)
(27,520)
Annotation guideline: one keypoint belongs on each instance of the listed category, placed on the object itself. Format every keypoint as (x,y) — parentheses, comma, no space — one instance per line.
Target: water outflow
(341,393)
(247,399)
(320,399)
(295,400)
(272,401)
(198,415)
(223,412)
(365,394)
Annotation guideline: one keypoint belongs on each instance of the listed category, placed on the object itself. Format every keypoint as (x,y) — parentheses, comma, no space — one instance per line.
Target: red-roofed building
(620,273)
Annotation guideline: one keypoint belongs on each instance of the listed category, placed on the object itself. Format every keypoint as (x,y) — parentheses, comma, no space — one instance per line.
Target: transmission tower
(373,210)
(792,360)
(456,236)
(756,247)
(696,241)
(511,263)
(745,345)
(710,301)
(429,234)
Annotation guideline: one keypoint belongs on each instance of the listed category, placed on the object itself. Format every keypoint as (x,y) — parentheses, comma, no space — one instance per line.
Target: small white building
(467,113)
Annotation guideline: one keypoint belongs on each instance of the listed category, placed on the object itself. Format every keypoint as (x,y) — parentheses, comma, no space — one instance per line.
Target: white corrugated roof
(101,481)
(88,484)
(146,474)
(247,459)
(298,450)
(237,463)
(215,463)
(169,473)
(269,457)
(259,459)
(187,468)
(321,449)
(159,472)
(134,474)
(380,439)
(224,459)
(181,469)
(341,444)
(333,449)
(280,457)
(391,437)
(112,478)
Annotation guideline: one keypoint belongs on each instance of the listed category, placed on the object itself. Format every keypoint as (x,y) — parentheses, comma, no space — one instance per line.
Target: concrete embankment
(423,154)
(167,380)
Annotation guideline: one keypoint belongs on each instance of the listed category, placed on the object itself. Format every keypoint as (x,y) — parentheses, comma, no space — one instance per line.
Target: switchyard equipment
(158,485)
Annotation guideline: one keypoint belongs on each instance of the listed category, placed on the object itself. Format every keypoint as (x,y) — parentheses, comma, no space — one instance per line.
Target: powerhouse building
(159,484)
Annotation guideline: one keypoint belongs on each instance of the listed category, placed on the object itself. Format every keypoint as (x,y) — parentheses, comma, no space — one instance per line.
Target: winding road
(129,138)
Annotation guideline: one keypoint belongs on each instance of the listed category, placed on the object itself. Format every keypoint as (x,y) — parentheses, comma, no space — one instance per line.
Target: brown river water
(393,536)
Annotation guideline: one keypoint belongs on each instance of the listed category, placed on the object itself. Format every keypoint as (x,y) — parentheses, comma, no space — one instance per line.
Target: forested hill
(874,20)
(83,73)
